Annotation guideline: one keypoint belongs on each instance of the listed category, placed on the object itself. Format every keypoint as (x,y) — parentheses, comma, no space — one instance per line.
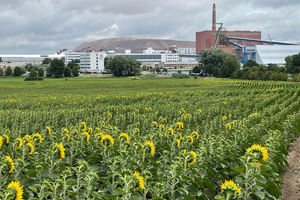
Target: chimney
(214,18)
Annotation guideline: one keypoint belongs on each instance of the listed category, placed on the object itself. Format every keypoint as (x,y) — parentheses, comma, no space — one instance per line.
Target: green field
(152,138)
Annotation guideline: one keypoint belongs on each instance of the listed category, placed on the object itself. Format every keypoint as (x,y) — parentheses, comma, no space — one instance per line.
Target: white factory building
(93,61)
(270,54)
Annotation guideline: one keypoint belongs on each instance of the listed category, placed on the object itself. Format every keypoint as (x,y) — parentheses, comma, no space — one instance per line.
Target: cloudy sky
(44,26)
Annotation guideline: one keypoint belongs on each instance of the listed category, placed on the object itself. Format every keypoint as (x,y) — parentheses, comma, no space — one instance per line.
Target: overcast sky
(44,26)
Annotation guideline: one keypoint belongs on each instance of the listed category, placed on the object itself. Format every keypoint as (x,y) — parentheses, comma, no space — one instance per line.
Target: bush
(34,78)
(180,76)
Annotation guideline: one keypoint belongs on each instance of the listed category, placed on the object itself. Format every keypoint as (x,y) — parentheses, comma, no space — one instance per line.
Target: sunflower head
(83,126)
(154,124)
(11,163)
(15,190)
(192,158)
(170,131)
(140,180)
(107,141)
(31,147)
(48,129)
(151,145)
(257,152)
(39,136)
(124,136)
(230,189)
(87,135)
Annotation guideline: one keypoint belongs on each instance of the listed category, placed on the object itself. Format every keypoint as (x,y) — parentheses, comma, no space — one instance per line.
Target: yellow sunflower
(7,138)
(178,143)
(154,124)
(98,129)
(228,125)
(20,141)
(178,125)
(87,135)
(162,127)
(103,123)
(230,188)
(170,131)
(257,152)
(194,158)
(224,118)
(109,115)
(31,147)
(49,129)
(141,180)
(68,137)
(39,136)
(90,130)
(151,145)
(107,141)
(17,189)
(84,126)
(195,133)
(67,131)
(61,150)
(1,141)
(11,162)
(191,139)
(124,135)
(98,134)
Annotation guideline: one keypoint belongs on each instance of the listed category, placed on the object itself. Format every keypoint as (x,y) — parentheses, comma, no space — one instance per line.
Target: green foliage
(157,69)
(67,72)
(165,70)
(46,61)
(293,63)
(73,63)
(75,71)
(219,64)
(264,113)
(121,66)
(196,69)
(32,72)
(250,63)
(179,75)
(17,71)
(40,72)
(33,78)
(57,67)
(8,71)
(0,59)
(1,72)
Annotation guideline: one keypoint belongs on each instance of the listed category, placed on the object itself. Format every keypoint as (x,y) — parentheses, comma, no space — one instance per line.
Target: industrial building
(244,44)
(92,61)
(205,39)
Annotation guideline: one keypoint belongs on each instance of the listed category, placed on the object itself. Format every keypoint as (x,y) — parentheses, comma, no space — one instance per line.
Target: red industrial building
(205,39)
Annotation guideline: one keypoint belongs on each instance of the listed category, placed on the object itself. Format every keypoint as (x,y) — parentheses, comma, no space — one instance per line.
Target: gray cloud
(43,26)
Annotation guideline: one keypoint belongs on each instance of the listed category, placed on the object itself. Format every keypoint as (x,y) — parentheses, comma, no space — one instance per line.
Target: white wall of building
(93,61)
(182,51)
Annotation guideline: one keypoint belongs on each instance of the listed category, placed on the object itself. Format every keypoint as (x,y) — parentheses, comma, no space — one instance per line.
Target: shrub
(180,76)
(34,78)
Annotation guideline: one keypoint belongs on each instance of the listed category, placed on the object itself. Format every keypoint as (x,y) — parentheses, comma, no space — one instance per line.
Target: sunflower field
(145,139)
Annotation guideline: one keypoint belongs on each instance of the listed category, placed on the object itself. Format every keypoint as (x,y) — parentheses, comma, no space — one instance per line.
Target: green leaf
(259,194)
(154,197)
(112,197)
(272,189)
(209,185)
(33,189)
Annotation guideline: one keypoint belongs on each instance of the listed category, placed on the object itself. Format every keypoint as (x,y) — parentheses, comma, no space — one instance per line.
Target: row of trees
(53,68)
(226,65)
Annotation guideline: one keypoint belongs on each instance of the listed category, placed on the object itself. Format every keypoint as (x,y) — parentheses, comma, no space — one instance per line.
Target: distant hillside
(135,44)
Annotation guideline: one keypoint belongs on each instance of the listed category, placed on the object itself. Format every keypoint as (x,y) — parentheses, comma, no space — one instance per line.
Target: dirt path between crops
(290,188)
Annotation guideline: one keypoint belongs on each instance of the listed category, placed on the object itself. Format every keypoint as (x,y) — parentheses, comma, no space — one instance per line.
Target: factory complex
(245,44)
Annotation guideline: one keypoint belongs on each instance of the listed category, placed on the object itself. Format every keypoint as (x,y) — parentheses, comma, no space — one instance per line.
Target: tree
(46,61)
(0,59)
(230,65)
(209,69)
(8,71)
(165,70)
(57,67)
(157,69)
(32,72)
(250,63)
(121,66)
(1,72)
(48,72)
(41,72)
(293,63)
(196,69)
(17,71)
(73,63)
(75,71)
(67,72)
(144,68)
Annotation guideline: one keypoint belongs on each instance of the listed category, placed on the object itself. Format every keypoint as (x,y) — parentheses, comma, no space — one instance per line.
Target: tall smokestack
(214,18)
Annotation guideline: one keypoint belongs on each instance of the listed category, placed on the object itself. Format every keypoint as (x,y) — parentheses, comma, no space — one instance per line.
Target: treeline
(225,65)
(54,68)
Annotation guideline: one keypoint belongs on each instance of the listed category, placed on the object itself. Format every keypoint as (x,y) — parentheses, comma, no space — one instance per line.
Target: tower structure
(214,18)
